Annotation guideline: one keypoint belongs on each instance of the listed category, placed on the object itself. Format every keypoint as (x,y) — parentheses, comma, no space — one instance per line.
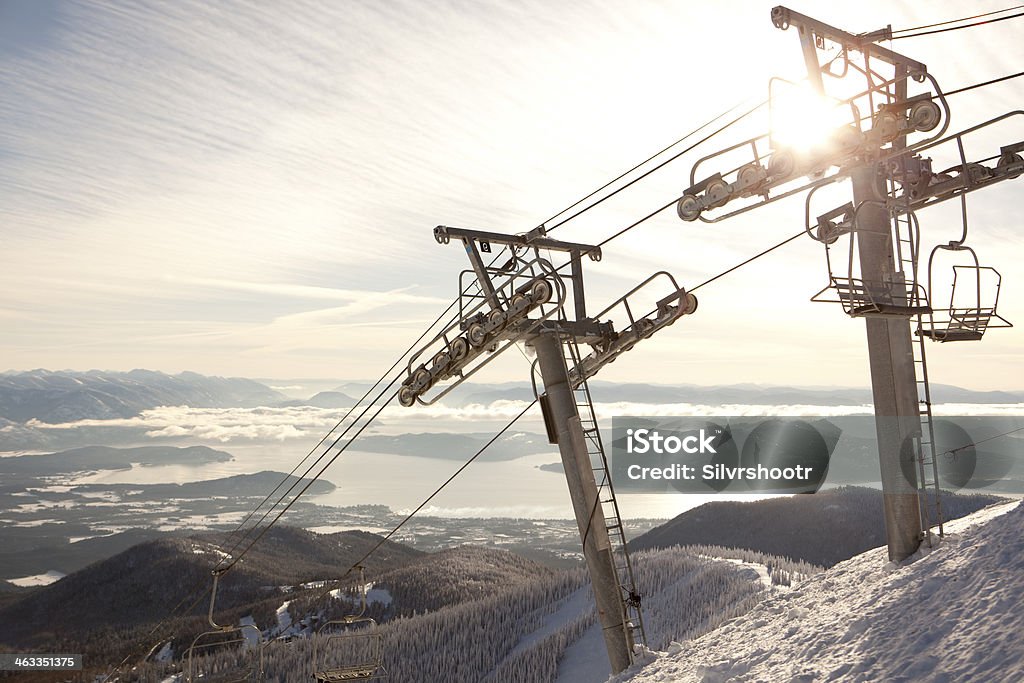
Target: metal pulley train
(528,295)
(609,347)
(921,186)
(765,170)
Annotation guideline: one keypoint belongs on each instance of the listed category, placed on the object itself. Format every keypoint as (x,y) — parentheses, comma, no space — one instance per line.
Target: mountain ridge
(54,397)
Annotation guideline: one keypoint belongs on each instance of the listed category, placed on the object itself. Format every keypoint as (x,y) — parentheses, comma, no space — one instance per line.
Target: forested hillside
(102,609)
(467,614)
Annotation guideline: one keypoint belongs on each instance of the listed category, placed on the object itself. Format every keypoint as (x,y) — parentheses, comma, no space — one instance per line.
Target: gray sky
(250,188)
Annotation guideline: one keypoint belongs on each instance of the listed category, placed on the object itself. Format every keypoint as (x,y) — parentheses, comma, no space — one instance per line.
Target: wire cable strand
(636,167)
(438,490)
(954,451)
(223,565)
(956,21)
(984,83)
(672,158)
(333,429)
(749,260)
(312,481)
(298,480)
(957,28)
(717,131)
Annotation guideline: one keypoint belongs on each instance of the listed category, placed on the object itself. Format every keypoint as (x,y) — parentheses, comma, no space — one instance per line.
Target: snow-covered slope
(953,613)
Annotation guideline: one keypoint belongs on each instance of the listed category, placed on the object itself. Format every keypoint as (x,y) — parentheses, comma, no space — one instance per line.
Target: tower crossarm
(534,239)
(813,33)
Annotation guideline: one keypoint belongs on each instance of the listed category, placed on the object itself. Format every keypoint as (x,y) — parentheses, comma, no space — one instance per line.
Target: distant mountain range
(323,399)
(65,396)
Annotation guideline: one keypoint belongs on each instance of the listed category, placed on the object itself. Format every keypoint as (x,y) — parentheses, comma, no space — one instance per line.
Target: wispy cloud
(309,292)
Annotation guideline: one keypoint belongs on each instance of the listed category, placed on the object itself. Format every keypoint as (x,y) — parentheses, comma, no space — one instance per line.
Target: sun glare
(803,120)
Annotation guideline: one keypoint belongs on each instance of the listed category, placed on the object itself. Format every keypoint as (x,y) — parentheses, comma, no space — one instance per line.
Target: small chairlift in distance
(350,648)
(225,654)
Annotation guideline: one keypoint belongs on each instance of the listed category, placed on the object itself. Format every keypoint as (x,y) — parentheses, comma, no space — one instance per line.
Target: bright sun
(802,119)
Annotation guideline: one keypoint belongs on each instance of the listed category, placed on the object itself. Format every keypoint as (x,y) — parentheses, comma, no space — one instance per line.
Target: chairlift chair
(224,654)
(973,299)
(899,295)
(350,648)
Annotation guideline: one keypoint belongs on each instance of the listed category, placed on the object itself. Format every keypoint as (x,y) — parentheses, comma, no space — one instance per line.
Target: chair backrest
(348,649)
(226,655)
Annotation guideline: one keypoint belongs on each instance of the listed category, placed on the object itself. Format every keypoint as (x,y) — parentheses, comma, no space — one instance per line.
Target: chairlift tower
(891,180)
(890,345)
(530,300)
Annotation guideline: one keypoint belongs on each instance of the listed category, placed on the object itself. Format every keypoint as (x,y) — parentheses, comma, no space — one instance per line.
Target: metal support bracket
(783,18)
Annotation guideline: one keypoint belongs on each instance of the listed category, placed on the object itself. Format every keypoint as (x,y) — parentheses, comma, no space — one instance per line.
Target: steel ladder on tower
(906,243)
(928,487)
(907,252)
(630,596)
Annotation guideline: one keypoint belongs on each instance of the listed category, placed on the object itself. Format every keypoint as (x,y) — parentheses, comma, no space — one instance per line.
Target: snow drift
(951,613)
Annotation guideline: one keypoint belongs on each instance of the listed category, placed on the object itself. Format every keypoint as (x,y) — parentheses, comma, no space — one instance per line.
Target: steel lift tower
(531,300)
(890,347)
(878,147)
